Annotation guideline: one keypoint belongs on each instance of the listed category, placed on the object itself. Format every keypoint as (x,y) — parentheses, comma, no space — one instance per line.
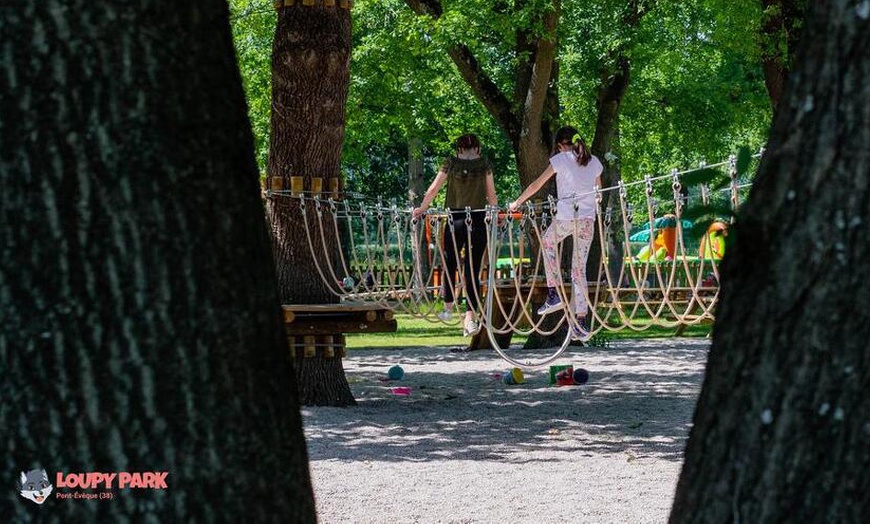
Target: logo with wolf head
(35,485)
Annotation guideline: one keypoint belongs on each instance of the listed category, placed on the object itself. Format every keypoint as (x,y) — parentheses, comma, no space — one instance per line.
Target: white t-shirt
(574,180)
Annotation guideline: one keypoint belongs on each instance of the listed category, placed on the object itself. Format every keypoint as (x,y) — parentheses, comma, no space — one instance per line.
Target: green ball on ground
(396,373)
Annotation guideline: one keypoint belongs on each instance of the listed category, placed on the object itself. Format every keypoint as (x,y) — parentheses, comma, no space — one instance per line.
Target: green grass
(417,332)
(414,332)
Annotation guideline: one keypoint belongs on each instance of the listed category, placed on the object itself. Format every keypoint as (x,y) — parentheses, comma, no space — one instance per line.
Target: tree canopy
(697,88)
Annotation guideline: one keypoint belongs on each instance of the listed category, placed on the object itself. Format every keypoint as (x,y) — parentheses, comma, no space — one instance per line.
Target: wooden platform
(535,291)
(330,319)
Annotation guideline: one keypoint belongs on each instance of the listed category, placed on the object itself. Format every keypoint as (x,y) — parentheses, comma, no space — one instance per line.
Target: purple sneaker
(553,302)
(580,331)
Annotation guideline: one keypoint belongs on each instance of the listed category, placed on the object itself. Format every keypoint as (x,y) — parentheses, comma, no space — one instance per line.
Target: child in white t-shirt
(577,173)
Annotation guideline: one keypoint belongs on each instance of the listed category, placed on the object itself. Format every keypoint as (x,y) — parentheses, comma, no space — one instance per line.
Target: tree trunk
(140,323)
(781,26)
(416,176)
(605,145)
(781,432)
(310,78)
(416,190)
(526,116)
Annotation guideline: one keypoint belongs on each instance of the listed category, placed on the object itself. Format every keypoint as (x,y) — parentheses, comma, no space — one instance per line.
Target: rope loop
(644,292)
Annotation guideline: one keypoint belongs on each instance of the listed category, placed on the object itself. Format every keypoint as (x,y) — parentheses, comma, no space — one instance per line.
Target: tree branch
(486,91)
(541,70)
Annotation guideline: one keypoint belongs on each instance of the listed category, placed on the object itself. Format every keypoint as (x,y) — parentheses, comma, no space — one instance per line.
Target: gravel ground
(465,447)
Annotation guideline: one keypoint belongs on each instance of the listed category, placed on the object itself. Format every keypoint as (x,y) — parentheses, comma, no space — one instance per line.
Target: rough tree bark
(310,78)
(139,325)
(782,428)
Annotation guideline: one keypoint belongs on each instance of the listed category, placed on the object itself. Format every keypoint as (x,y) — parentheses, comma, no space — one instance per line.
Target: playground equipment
(392,261)
(713,243)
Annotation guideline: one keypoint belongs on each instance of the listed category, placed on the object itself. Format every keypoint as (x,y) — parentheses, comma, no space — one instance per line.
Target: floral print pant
(582,230)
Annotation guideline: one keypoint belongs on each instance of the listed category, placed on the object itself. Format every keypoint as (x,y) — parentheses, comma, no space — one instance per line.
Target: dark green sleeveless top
(466,182)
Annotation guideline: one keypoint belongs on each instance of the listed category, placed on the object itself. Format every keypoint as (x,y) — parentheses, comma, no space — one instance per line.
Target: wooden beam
(331,326)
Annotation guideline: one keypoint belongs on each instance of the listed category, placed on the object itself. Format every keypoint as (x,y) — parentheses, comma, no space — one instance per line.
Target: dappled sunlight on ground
(630,421)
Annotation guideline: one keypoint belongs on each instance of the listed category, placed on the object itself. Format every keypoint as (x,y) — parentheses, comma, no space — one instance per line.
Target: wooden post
(334,188)
(328,348)
(296,186)
(310,349)
(316,187)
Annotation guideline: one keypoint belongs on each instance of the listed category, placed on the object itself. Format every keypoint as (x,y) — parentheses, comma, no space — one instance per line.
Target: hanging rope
(665,277)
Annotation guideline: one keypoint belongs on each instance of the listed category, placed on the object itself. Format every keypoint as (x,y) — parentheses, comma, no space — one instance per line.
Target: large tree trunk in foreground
(782,428)
(310,78)
(139,326)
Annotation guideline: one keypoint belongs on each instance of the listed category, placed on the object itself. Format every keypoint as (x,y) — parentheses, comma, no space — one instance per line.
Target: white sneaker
(445,315)
(472,327)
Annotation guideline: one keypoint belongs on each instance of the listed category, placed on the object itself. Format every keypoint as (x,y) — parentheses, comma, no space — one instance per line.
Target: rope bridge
(659,263)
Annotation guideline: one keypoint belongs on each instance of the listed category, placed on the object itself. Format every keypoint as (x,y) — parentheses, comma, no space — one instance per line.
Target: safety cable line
(647,275)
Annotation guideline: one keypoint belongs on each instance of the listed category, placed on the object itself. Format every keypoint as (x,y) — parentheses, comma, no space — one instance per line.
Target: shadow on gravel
(638,403)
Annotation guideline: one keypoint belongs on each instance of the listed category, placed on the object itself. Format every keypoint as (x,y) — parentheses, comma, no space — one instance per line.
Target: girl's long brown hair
(570,136)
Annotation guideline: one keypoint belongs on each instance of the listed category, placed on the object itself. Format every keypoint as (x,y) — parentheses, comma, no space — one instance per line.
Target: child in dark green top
(469,184)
